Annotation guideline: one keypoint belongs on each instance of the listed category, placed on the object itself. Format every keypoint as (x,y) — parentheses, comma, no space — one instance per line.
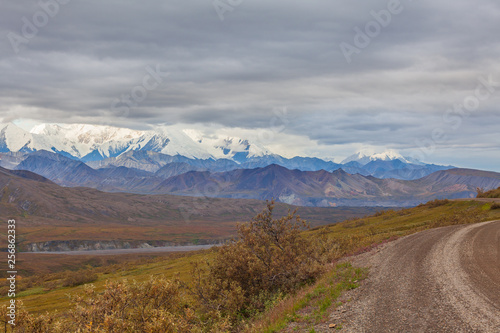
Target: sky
(321,78)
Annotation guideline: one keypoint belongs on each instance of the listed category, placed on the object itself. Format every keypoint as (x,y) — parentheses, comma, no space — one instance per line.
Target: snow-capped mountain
(389,155)
(14,139)
(107,146)
(94,143)
(221,146)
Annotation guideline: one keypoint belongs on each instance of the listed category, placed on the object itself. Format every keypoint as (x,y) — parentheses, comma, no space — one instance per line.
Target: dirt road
(439,280)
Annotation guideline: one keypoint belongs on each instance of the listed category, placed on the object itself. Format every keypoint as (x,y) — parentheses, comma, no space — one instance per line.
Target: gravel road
(439,280)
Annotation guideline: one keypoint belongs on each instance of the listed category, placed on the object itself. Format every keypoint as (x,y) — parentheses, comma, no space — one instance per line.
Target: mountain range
(305,188)
(52,217)
(151,150)
(97,142)
(323,188)
(173,161)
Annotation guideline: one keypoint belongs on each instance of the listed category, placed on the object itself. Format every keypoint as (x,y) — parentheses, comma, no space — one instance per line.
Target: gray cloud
(264,55)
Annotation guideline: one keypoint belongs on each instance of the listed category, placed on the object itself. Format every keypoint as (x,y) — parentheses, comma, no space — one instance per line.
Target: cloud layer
(77,61)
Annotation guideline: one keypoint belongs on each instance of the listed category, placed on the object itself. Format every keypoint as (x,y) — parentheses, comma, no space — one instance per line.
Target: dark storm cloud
(263,55)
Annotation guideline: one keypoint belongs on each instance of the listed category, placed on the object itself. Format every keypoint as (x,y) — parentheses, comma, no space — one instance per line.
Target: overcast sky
(323,77)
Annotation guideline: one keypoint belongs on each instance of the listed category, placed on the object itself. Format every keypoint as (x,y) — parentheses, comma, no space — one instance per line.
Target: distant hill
(182,176)
(47,212)
(60,169)
(322,188)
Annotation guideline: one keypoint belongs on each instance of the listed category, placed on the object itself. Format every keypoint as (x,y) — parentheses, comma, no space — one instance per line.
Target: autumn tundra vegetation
(271,257)
(488,194)
(276,272)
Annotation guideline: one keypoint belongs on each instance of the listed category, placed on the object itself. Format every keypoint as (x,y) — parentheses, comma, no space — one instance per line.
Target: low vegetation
(495,206)
(489,194)
(275,274)
(271,257)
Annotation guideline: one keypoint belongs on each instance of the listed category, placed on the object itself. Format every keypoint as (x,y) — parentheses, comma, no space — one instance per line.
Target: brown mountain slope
(48,212)
(322,188)
(304,188)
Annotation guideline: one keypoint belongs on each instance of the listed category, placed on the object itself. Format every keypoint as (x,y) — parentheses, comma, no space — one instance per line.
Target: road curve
(439,280)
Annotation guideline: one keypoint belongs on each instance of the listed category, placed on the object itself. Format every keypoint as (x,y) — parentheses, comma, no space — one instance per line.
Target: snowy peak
(389,155)
(94,142)
(223,146)
(90,135)
(14,138)
(86,142)
(173,141)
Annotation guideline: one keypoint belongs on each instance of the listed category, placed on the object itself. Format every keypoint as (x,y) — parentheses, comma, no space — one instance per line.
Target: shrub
(270,256)
(25,322)
(495,205)
(490,194)
(152,306)
(155,306)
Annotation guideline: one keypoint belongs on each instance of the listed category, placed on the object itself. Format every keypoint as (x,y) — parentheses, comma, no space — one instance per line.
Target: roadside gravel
(439,280)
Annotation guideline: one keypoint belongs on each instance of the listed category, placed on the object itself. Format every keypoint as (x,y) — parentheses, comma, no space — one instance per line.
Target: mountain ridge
(323,188)
(293,186)
(48,212)
(103,146)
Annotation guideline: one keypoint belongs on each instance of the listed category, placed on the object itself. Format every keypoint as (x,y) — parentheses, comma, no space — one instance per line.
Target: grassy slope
(351,236)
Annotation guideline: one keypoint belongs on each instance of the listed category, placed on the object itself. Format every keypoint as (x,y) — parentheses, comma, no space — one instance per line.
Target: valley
(234,166)
(95,206)
(46,293)
(78,226)
(52,217)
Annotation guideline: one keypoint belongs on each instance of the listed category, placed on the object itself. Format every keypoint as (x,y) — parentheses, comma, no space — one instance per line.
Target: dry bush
(26,323)
(153,306)
(495,206)
(490,194)
(270,256)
